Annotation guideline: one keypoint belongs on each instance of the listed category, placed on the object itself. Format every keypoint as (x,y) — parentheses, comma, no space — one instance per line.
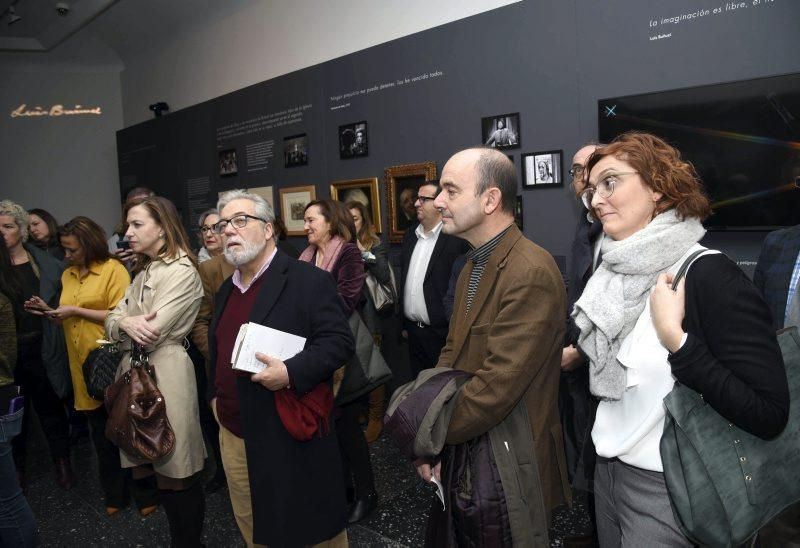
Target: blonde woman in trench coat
(158,311)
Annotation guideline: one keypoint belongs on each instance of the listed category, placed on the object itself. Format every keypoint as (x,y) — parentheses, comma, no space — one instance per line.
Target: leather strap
(685,266)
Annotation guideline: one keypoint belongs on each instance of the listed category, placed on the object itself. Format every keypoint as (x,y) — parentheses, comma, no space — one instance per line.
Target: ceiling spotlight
(12,15)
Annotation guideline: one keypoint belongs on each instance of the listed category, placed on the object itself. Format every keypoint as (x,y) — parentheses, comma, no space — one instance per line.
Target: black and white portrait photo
(227,162)
(501,131)
(353,140)
(295,150)
(542,169)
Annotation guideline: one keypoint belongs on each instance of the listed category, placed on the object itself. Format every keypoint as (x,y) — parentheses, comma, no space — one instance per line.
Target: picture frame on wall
(295,150)
(294,200)
(501,131)
(227,163)
(542,169)
(360,190)
(265,192)
(402,185)
(353,140)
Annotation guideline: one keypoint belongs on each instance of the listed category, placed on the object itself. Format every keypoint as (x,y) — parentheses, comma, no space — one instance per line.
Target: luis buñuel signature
(55,110)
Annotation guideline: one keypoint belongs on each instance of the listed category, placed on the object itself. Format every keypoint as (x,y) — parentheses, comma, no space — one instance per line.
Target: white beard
(248,252)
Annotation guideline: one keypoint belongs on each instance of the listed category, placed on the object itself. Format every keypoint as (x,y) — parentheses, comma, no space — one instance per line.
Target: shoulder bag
(384,296)
(725,484)
(100,368)
(137,413)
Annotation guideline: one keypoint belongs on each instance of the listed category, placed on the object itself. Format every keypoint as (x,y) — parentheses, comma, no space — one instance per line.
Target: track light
(12,15)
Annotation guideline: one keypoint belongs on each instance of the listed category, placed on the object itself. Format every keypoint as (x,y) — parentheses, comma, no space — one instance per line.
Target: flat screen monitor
(742,137)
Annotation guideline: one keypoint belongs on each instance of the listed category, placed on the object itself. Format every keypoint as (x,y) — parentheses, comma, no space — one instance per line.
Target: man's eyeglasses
(576,171)
(423,199)
(604,188)
(240,221)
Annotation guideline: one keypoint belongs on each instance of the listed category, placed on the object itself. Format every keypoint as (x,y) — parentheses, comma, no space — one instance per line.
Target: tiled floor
(77,517)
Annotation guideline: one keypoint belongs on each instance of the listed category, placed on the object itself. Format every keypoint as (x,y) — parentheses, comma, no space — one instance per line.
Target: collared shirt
(237,275)
(479,257)
(100,289)
(413,297)
(792,290)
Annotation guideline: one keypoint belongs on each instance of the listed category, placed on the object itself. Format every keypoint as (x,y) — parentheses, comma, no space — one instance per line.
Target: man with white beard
(279,449)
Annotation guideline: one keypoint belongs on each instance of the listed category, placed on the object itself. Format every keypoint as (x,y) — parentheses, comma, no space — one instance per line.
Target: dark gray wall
(548,60)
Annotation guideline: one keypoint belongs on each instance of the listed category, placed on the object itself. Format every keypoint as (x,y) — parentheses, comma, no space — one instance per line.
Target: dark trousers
(186,511)
(424,346)
(39,393)
(117,482)
(17,524)
(577,407)
(354,449)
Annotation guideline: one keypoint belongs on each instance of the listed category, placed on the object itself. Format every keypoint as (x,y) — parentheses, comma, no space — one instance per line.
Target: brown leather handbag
(137,413)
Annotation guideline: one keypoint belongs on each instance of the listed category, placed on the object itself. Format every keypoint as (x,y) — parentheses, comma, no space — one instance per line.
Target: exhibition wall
(423,97)
(65,163)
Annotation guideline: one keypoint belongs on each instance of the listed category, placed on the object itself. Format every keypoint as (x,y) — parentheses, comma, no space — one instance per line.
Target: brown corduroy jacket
(511,341)
(212,272)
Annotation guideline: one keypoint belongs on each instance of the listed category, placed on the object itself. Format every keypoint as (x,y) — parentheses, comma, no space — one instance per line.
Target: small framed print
(294,200)
(295,150)
(501,131)
(353,141)
(542,169)
(360,190)
(227,163)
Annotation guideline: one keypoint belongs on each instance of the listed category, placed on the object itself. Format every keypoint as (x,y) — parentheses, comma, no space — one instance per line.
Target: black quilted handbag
(100,368)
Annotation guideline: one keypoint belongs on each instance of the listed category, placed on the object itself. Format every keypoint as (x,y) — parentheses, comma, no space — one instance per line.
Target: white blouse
(631,427)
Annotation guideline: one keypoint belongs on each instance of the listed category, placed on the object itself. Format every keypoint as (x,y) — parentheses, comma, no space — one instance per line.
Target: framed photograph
(227,162)
(353,141)
(295,150)
(501,131)
(360,190)
(294,200)
(542,169)
(402,185)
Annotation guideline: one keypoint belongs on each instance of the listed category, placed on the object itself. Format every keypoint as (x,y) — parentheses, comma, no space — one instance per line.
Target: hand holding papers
(254,338)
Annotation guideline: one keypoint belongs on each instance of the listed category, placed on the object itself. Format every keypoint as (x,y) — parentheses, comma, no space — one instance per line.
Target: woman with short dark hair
(713,335)
(331,233)
(93,284)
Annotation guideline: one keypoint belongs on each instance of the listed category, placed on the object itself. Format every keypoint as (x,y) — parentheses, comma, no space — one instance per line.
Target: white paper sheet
(254,338)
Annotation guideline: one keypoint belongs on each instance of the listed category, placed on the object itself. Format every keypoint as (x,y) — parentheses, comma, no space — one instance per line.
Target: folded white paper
(254,338)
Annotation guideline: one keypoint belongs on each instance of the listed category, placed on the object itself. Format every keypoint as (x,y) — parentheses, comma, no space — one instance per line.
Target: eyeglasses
(423,199)
(576,171)
(240,221)
(604,188)
(205,228)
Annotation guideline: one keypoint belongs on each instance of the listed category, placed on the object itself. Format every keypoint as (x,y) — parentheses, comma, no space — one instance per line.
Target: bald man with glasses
(427,260)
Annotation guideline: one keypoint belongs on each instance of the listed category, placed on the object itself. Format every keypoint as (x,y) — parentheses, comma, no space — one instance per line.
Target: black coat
(437,276)
(297,488)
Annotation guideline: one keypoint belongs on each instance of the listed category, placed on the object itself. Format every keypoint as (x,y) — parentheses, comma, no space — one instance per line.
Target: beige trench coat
(171,288)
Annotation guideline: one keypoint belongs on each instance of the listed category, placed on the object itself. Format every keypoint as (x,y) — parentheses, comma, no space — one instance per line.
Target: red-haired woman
(714,334)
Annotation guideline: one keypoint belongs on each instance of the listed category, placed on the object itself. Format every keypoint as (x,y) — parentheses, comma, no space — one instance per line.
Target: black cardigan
(731,355)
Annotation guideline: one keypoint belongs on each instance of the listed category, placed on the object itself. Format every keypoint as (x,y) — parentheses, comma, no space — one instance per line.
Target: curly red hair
(661,168)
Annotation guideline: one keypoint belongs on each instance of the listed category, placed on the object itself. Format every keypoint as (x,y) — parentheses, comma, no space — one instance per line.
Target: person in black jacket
(427,260)
(713,335)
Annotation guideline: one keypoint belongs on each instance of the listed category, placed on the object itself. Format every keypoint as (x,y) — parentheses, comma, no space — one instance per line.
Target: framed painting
(360,190)
(402,185)
(294,200)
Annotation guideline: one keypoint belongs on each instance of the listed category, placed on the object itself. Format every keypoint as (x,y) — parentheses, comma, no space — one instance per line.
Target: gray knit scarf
(617,291)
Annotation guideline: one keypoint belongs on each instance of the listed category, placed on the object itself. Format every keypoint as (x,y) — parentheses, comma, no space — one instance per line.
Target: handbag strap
(687,263)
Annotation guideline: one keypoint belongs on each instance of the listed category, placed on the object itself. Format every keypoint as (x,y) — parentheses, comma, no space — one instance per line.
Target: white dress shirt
(413,297)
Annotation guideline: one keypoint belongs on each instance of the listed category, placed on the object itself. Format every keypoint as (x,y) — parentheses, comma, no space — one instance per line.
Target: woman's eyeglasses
(603,188)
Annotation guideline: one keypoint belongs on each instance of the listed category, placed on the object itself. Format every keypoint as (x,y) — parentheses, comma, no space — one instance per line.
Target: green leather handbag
(725,484)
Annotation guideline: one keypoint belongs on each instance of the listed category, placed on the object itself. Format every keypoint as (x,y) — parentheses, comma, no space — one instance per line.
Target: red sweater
(236,313)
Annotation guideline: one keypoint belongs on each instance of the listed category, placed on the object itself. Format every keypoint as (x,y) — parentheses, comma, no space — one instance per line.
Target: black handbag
(100,368)
(725,484)
(366,369)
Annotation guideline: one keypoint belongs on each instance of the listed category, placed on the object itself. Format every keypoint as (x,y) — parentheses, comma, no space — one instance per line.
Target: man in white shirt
(427,259)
